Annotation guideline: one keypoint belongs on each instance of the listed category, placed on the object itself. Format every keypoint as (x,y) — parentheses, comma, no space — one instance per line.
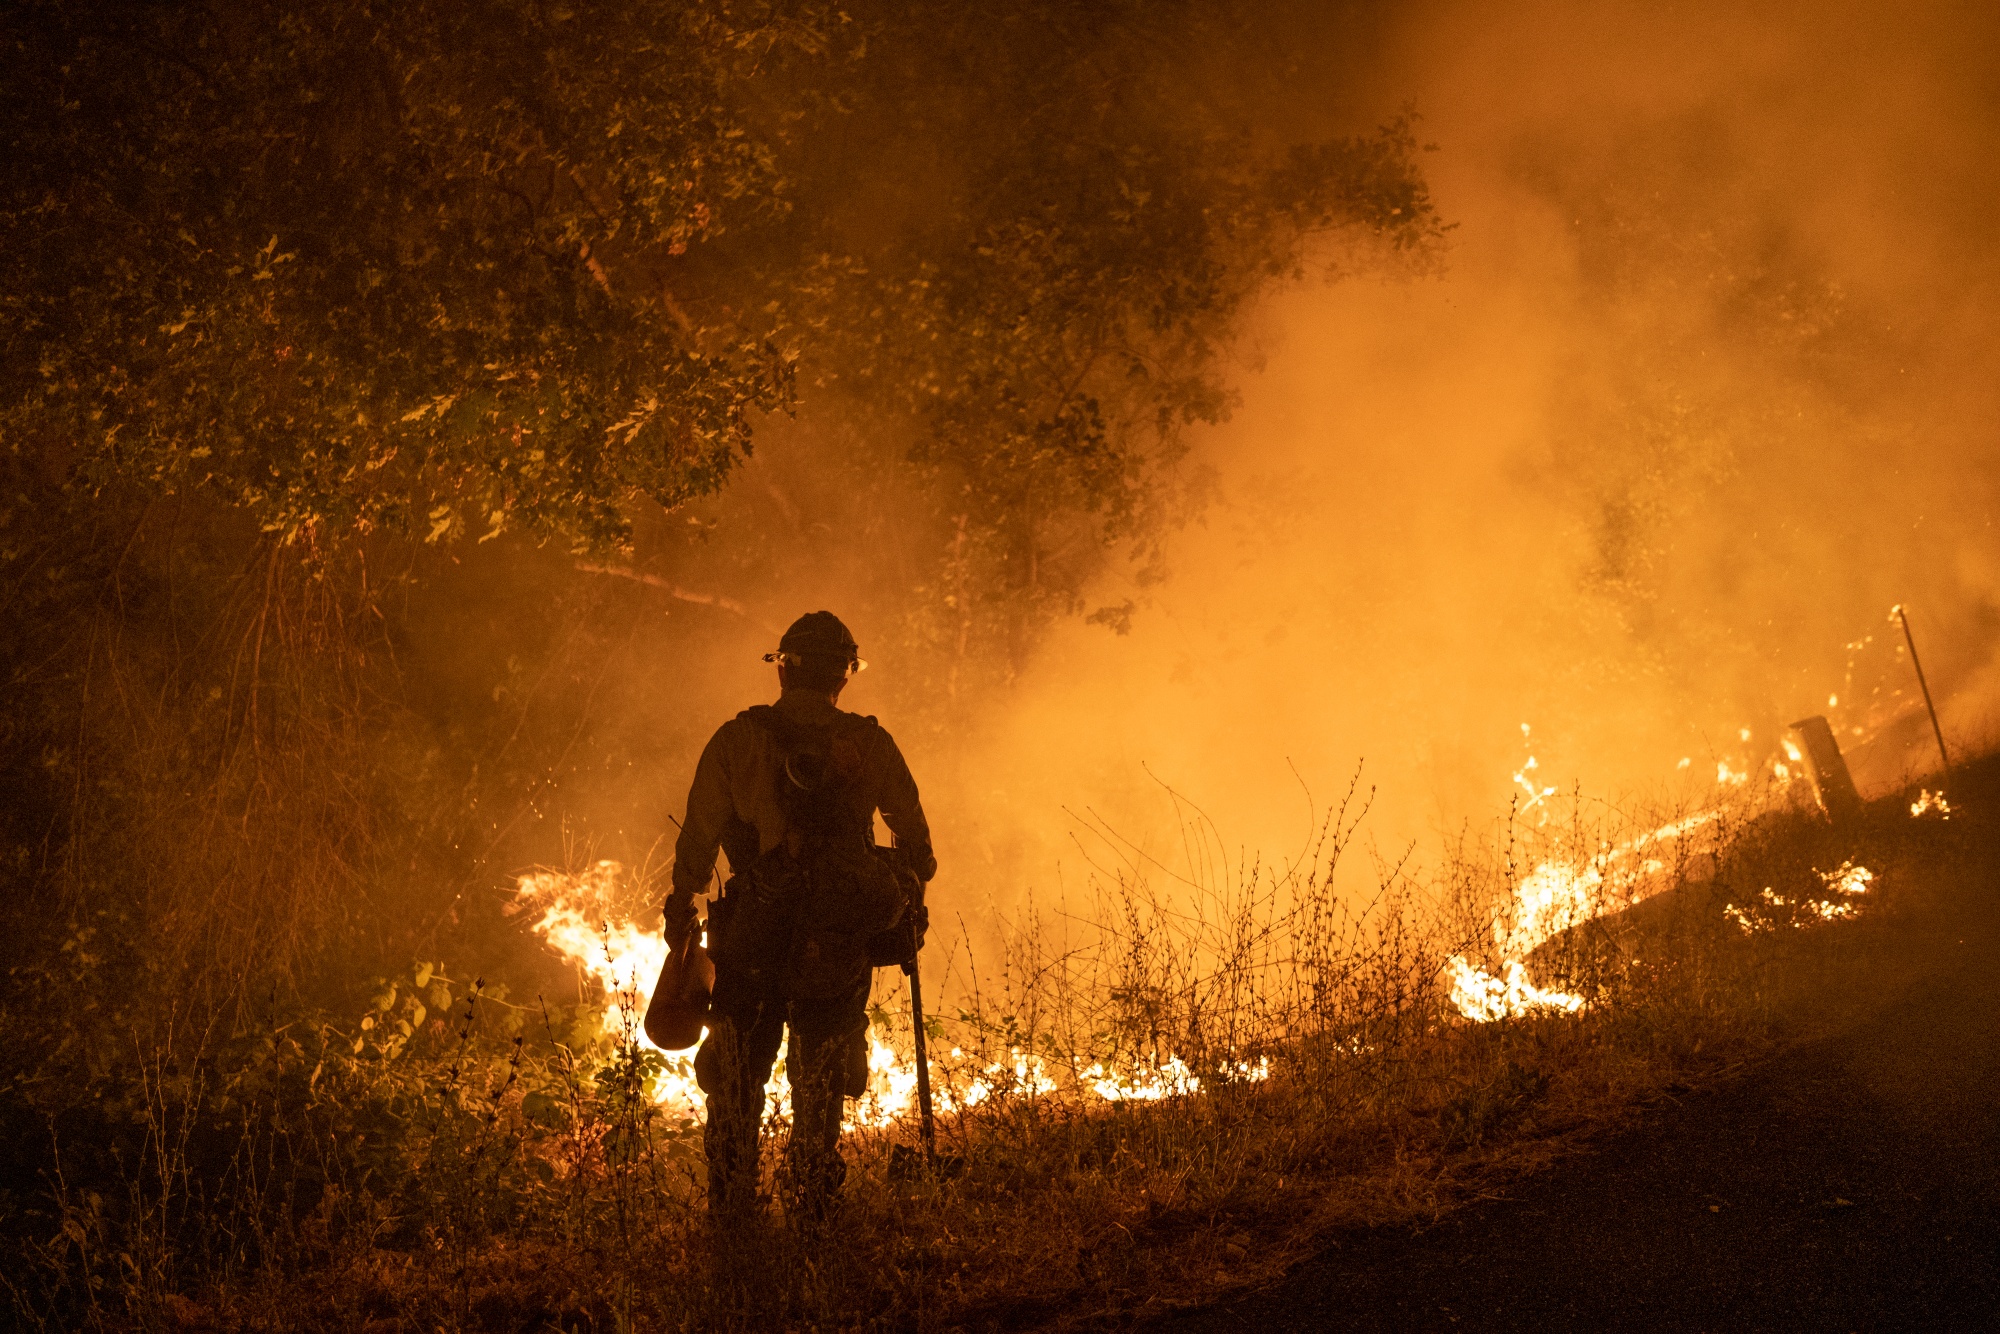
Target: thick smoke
(1701,391)
(1704,389)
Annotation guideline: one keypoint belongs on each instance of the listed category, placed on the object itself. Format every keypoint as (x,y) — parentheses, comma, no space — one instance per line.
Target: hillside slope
(1852,1182)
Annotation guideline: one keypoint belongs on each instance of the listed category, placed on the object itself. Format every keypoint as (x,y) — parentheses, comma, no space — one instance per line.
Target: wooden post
(1830,779)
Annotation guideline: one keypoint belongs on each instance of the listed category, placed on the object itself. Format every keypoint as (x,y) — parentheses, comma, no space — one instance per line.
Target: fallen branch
(674,590)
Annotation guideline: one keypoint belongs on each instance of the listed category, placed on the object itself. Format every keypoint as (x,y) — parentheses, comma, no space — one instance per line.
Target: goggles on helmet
(855,663)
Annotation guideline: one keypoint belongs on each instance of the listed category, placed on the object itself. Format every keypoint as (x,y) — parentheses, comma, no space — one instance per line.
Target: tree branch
(674,590)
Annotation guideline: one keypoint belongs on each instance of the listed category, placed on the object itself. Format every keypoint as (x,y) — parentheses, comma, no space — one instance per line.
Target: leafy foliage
(354,265)
(463,268)
(1063,229)
(297,297)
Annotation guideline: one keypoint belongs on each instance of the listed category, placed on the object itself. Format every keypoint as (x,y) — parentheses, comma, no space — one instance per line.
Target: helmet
(818,634)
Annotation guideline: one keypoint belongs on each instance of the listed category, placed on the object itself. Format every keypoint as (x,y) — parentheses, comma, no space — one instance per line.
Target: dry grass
(466,1164)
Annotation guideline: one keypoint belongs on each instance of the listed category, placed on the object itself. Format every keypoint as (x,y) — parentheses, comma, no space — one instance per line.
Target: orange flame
(624,960)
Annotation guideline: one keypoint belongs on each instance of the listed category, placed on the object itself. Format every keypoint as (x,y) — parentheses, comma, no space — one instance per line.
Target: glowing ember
(1750,925)
(1536,795)
(1847,881)
(1928,800)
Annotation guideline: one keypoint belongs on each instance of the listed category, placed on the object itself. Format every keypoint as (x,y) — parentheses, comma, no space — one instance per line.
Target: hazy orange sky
(1703,389)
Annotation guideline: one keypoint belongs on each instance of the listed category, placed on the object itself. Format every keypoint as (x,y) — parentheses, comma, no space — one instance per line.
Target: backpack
(798,922)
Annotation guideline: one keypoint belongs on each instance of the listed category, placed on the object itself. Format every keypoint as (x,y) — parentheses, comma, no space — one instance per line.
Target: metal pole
(1923,685)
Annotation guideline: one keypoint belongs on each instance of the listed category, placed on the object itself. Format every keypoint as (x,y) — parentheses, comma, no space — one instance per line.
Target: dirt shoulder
(1851,1182)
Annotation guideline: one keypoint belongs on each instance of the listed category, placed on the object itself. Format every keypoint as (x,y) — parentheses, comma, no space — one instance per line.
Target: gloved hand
(678,919)
(920,922)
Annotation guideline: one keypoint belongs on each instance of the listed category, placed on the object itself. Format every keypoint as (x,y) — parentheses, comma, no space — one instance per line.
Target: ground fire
(1371,526)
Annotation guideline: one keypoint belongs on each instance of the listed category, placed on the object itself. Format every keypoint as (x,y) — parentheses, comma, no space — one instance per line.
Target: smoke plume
(1702,391)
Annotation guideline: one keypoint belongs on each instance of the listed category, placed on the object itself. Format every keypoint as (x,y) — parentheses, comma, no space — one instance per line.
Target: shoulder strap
(791,735)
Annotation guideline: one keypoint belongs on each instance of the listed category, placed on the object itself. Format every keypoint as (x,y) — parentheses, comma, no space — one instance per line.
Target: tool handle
(929,1124)
(911,970)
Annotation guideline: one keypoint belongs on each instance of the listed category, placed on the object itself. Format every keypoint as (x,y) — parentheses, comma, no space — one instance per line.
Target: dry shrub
(465,1163)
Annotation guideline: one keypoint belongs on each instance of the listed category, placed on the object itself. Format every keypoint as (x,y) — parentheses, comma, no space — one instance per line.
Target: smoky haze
(1701,389)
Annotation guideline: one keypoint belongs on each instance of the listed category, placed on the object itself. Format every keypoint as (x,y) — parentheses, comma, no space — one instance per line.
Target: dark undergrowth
(454,1159)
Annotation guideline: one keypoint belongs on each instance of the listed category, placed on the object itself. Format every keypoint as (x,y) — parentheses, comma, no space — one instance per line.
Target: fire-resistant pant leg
(733,1066)
(827,1051)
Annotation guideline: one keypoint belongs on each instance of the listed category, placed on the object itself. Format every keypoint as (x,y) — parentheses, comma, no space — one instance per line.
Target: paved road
(1853,1184)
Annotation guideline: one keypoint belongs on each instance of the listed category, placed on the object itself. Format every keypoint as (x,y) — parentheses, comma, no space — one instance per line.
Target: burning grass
(1168,1090)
